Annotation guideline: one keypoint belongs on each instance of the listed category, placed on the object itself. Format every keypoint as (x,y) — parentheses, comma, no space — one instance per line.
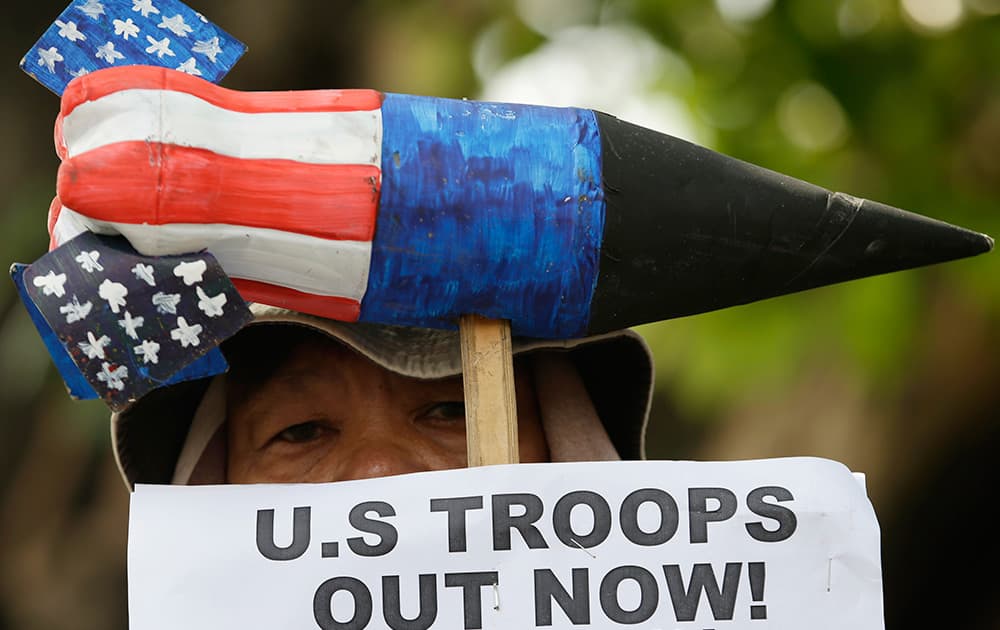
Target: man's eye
(302,432)
(450,411)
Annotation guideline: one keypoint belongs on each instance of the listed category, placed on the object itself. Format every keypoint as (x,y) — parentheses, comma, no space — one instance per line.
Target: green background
(897,376)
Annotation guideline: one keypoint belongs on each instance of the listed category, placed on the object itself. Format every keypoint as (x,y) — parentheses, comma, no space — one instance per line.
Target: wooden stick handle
(490,404)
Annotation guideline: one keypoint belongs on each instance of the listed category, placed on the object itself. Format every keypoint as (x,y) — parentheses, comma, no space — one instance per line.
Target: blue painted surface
(208,365)
(486,208)
(77,385)
(66,334)
(95,20)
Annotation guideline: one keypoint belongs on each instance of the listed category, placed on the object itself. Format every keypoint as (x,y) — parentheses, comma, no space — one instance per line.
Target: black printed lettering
(300,535)
(563,526)
(392,607)
(456,508)
(386,532)
(669,517)
(503,522)
(576,607)
(787,522)
(649,595)
(699,514)
(323,604)
(685,600)
(472,600)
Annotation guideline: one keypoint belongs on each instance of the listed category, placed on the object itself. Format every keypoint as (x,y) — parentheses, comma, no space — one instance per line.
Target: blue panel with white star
(94,34)
(131,323)
(76,384)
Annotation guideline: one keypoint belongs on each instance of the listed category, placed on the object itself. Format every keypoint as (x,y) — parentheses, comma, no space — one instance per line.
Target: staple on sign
(585,550)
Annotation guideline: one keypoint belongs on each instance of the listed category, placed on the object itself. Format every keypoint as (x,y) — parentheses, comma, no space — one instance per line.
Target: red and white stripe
(282,187)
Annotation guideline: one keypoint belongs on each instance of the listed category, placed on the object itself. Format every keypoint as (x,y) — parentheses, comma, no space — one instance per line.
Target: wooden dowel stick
(490,404)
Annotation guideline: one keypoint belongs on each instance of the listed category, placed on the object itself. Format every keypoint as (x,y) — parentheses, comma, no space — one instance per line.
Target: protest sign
(785,543)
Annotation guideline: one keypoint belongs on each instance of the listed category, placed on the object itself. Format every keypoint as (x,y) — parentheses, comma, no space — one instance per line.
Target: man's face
(329,414)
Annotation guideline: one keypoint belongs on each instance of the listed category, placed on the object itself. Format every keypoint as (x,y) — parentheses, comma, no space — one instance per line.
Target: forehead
(264,353)
(260,353)
(282,370)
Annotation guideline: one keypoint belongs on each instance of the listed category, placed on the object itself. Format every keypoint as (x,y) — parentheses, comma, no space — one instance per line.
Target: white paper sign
(768,544)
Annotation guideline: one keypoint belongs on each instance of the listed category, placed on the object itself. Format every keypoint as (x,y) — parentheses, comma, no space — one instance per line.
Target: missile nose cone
(689,230)
(877,238)
(984,243)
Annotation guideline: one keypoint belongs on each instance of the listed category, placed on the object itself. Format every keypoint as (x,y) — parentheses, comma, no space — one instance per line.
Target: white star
(145,273)
(145,7)
(49,58)
(189,67)
(166,303)
(208,48)
(176,25)
(88,260)
(161,47)
(186,335)
(211,306)
(113,293)
(74,311)
(108,53)
(115,378)
(148,351)
(70,31)
(93,8)
(79,73)
(131,325)
(94,347)
(126,28)
(191,271)
(51,283)
(201,17)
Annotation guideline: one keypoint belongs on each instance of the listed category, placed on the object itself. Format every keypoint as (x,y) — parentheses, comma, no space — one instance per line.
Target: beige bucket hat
(615,369)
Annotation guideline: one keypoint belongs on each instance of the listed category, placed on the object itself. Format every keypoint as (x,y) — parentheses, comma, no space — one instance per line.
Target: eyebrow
(261,408)
(296,381)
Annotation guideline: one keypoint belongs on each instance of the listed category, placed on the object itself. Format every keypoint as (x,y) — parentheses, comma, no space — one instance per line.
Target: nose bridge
(381,454)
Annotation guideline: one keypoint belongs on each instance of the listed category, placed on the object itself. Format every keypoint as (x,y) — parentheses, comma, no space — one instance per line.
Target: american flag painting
(348,204)
(131,323)
(94,34)
(282,188)
(88,36)
(408,210)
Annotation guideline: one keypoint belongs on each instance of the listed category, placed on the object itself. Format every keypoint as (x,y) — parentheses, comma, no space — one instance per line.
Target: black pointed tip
(882,239)
(689,230)
(987,243)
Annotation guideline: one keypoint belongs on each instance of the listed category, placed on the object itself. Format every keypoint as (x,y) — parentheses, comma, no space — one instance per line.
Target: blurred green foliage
(858,96)
(894,100)
(854,95)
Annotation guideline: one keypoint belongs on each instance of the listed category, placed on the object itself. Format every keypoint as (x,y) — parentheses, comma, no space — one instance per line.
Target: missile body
(412,210)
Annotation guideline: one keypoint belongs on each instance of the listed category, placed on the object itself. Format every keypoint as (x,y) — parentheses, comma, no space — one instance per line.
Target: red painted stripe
(60,142)
(54,209)
(93,86)
(136,182)
(339,308)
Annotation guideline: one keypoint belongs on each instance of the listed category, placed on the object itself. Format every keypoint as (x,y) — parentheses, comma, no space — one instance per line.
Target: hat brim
(616,369)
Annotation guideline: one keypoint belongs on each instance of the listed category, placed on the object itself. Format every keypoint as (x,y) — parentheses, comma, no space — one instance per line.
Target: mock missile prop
(411,210)
(394,209)
(116,323)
